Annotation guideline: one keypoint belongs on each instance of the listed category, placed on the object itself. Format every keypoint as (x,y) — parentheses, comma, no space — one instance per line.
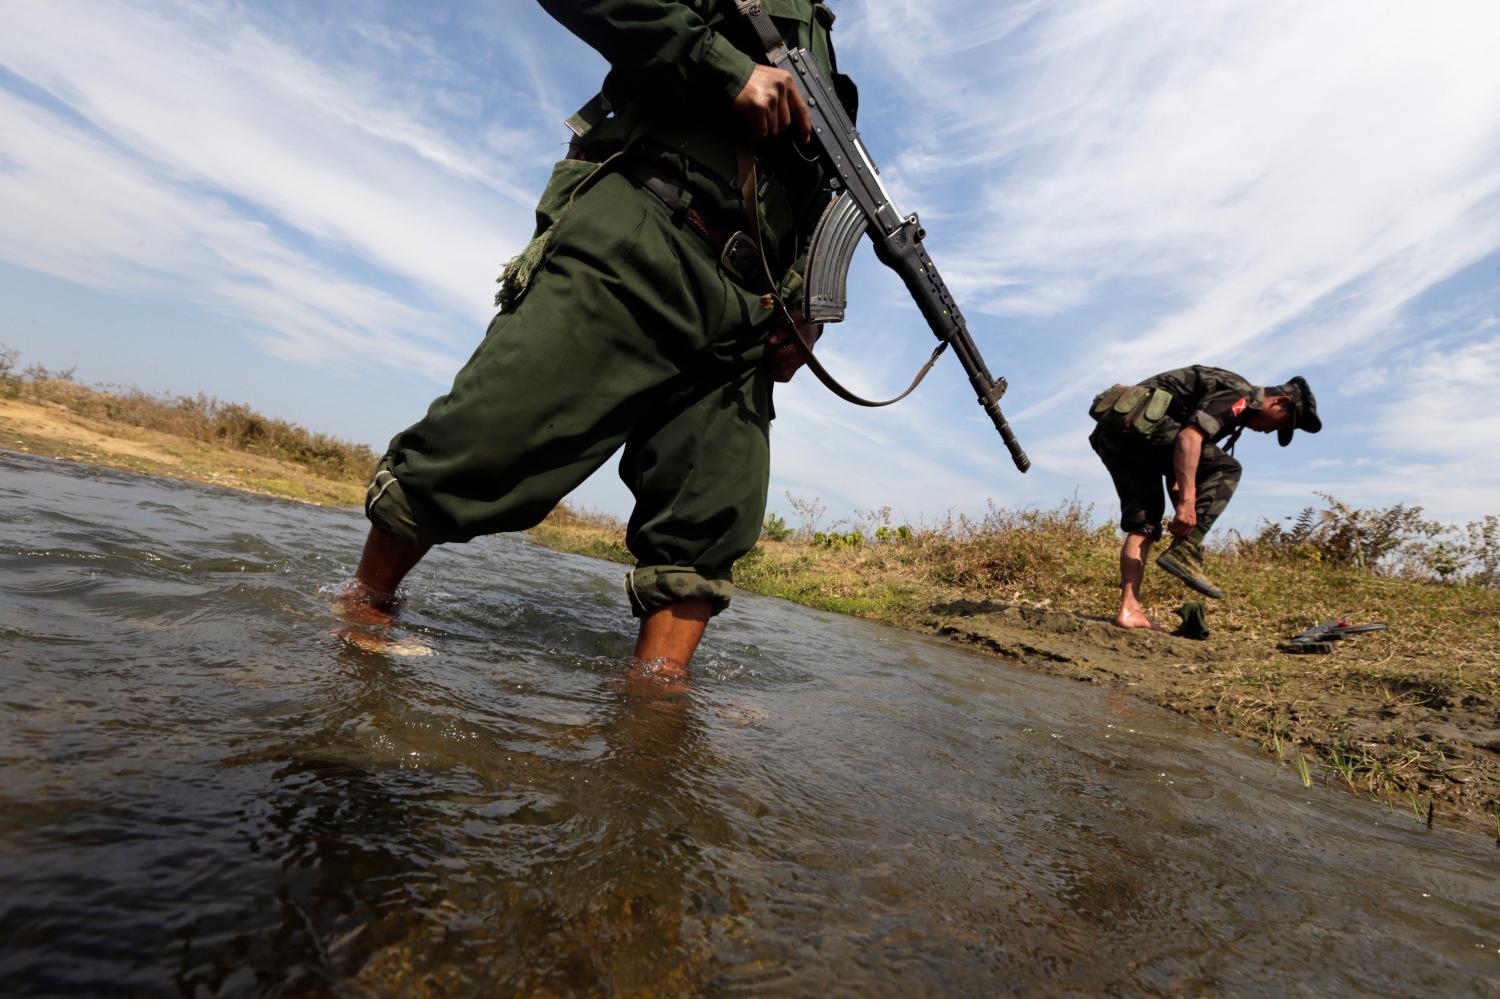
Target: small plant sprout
(1342,765)
(1278,748)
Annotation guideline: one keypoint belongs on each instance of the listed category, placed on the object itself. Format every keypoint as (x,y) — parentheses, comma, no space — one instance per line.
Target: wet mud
(1450,745)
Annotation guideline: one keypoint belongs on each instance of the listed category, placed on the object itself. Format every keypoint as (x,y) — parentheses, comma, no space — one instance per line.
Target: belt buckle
(739,256)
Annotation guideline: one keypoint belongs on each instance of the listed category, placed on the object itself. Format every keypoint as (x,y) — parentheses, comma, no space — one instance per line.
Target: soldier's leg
(1135,470)
(670,635)
(553,389)
(699,473)
(1133,555)
(383,564)
(1218,477)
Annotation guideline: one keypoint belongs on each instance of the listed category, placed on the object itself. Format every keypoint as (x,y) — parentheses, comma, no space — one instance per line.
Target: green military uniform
(629,332)
(1138,453)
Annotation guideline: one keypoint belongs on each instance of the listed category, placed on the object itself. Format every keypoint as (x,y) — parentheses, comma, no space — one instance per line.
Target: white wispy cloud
(1111,187)
(91,216)
(1265,187)
(176,130)
(1240,162)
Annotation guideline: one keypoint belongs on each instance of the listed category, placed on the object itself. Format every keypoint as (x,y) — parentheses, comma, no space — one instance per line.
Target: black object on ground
(1320,638)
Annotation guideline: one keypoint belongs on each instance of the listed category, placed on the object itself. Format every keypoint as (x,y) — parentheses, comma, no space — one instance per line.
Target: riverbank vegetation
(1408,714)
(197,437)
(195,417)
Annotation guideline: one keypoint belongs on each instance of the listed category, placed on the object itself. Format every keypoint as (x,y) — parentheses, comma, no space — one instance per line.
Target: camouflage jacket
(1213,400)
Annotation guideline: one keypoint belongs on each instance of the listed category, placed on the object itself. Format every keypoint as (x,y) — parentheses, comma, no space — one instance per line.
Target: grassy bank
(1408,715)
(198,417)
(189,437)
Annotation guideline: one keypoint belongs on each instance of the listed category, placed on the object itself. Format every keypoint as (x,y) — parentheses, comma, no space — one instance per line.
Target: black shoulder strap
(770,38)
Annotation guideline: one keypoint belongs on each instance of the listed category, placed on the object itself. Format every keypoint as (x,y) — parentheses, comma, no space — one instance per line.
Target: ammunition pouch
(1133,409)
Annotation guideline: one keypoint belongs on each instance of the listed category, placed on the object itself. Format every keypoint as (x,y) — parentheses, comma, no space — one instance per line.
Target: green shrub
(776,529)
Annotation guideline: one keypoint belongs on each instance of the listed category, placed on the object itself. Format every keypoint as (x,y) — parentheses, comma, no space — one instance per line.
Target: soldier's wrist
(724,67)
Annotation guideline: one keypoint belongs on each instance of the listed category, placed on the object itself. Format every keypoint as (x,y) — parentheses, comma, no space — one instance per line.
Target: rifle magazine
(834,241)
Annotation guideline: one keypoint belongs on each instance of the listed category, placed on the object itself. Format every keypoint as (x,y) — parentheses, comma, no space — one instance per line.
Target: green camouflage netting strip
(569,179)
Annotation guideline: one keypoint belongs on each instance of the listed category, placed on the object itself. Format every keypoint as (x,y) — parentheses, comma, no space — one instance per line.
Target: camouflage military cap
(1304,408)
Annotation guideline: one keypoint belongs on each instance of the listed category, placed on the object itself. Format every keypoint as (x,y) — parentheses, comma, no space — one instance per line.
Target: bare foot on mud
(1137,619)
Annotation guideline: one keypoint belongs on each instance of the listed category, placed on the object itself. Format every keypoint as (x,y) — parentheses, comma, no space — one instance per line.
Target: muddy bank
(1410,747)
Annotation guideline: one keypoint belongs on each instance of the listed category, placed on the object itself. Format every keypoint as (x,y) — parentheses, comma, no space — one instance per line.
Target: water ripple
(208,791)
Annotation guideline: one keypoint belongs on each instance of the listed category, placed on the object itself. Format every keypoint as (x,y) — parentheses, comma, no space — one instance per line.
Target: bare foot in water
(358,604)
(386,644)
(1136,618)
(658,677)
(370,619)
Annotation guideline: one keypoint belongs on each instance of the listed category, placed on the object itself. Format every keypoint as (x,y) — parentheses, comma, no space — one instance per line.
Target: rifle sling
(749,192)
(770,38)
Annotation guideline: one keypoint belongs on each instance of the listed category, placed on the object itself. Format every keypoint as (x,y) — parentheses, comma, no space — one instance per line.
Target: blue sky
(303,206)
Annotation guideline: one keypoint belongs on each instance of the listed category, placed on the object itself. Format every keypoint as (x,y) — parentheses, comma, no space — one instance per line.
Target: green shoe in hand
(1185,561)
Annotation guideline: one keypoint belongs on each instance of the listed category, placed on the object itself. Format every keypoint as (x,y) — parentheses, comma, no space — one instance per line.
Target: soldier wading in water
(1167,430)
(641,316)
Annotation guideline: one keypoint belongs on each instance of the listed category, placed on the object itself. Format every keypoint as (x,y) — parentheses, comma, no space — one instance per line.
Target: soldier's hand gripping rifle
(863,205)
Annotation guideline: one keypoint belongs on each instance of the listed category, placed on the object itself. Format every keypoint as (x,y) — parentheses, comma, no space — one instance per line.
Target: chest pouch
(1132,409)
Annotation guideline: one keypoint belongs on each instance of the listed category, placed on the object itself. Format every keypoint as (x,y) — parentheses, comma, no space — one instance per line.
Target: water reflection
(419,850)
(206,791)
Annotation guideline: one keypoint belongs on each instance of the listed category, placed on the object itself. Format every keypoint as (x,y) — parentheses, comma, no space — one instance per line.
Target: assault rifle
(1320,637)
(863,205)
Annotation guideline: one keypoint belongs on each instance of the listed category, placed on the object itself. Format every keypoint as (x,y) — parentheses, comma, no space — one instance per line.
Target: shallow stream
(205,791)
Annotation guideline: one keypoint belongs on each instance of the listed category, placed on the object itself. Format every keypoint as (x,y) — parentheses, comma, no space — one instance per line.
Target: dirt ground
(1420,753)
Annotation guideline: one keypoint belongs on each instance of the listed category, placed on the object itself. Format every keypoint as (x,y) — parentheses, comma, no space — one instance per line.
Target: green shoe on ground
(1194,621)
(1185,561)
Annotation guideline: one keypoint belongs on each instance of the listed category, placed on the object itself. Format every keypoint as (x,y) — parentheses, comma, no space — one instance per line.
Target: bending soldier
(639,317)
(1167,430)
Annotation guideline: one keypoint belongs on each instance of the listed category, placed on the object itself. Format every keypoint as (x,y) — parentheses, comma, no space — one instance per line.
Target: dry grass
(584,532)
(199,418)
(1062,559)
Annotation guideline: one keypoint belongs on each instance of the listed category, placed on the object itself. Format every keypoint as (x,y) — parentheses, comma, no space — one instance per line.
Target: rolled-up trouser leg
(699,471)
(1218,476)
(1135,467)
